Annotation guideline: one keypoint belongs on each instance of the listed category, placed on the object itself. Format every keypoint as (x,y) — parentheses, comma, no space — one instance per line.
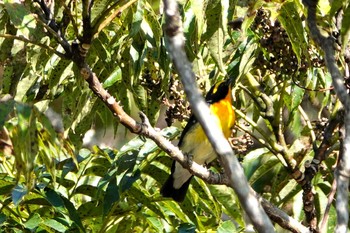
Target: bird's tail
(168,189)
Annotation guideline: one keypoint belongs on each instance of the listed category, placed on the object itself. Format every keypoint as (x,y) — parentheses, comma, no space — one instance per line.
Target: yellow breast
(225,115)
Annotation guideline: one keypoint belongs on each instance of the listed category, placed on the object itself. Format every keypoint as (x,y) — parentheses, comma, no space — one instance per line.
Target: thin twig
(66,46)
(324,221)
(22,38)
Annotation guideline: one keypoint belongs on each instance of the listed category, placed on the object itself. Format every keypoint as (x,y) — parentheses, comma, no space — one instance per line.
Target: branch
(237,180)
(343,172)
(51,26)
(70,16)
(103,20)
(87,29)
(22,38)
(283,219)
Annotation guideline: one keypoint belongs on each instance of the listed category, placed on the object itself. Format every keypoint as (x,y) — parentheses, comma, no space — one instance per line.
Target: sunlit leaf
(292,23)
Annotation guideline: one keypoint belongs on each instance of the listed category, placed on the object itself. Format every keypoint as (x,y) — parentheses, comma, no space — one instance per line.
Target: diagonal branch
(237,180)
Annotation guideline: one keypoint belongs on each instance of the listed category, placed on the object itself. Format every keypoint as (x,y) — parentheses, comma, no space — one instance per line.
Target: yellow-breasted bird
(195,143)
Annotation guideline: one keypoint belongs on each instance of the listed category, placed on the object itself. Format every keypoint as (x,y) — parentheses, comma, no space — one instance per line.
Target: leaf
(128,179)
(2,218)
(58,71)
(137,18)
(156,223)
(98,9)
(115,76)
(227,227)
(112,196)
(6,107)
(18,192)
(33,222)
(336,5)
(57,226)
(229,202)
(292,23)
(261,174)
(216,13)
(156,33)
(73,213)
(6,185)
(345,26)
(247,58)
(90,209)
(54,199)
(294,98)
(186,228)
(22,18)
(86,189)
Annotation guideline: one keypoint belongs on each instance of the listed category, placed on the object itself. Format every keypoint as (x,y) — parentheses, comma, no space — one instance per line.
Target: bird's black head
(218,91)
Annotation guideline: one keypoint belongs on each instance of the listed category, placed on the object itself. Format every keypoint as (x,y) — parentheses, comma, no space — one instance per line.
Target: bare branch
(283,219)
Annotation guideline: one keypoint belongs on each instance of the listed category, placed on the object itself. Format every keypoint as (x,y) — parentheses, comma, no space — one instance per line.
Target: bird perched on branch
(195,143)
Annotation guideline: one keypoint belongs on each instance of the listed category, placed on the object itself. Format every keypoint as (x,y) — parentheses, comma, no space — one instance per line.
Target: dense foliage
(51,181)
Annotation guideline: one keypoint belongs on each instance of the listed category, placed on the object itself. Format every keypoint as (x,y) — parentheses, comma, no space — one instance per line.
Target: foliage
(50,182)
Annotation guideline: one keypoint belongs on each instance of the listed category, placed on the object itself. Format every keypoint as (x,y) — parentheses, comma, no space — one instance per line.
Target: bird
(194,142)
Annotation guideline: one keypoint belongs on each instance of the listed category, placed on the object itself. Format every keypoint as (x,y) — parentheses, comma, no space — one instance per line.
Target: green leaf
(229,202)
(335,7)
(261,174)
(86,189)
(156,223)
(186,228)
(6,185)
(57,226)
(73,213)
(3,219)
(112,196)
(33,222)
(137,18)
(345,26)
(227,227)
(7,79)
(294,98)
(115,76)
(155,34)
(54,199)
(98,9)
(292,23)
(248,57)
(216,13)
(6,107)
(23,19)
(128,179)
